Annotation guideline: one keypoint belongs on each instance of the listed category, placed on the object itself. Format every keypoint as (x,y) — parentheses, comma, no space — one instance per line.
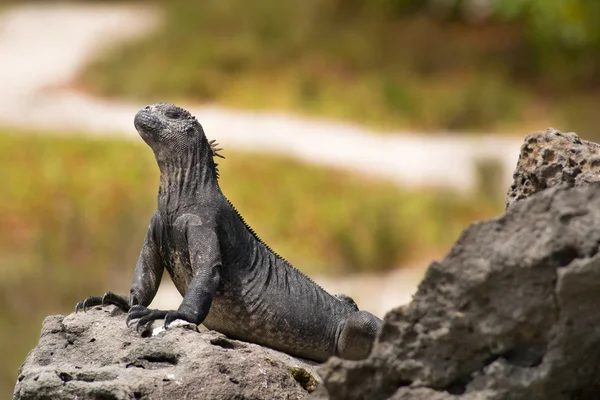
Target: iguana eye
(173,113)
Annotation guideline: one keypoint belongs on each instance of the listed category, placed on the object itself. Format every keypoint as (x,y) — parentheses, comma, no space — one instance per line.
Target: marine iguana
(230,280)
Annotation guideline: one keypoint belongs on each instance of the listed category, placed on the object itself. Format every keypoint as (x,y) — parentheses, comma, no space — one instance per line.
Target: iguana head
(175,136)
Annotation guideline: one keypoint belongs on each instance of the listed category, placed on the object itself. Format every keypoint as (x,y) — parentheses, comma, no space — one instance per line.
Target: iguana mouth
(145,123)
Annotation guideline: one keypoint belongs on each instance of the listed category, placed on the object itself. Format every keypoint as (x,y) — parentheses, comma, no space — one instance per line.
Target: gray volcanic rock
(551,158)
(511,313)
(94,355)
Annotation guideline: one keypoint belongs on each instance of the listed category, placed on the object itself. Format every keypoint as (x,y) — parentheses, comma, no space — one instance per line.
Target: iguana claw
(88,302)
(108,298)
(120,301)
(174,315)
(144,316)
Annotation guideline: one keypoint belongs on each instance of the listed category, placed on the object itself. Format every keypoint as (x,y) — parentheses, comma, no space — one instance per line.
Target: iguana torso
(230,280)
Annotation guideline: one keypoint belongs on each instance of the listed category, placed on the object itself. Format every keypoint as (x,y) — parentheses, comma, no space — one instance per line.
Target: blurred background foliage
(74,211)
(509,65)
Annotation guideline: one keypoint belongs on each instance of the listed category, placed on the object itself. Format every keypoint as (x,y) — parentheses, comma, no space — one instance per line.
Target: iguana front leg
(146,278)
(205,259)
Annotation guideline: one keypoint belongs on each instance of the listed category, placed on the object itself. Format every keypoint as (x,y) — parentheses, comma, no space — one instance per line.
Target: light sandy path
(45,46)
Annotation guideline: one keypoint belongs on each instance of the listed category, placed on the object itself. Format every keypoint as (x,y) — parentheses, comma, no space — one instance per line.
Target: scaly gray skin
(230,280)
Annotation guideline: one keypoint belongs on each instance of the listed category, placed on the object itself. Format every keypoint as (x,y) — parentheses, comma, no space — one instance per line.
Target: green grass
(75,211)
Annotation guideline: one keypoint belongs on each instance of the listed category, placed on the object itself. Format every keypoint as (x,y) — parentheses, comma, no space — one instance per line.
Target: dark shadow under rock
(511,313)
(94,355)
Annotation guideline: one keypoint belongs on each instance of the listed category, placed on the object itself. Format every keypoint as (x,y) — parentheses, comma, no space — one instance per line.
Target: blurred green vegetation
(437,64)
(75,212)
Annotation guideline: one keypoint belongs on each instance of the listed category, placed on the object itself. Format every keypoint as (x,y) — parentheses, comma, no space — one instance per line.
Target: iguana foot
(108,298)
(357,335)
(145,316)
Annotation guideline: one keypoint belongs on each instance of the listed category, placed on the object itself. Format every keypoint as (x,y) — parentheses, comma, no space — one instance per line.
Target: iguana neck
(186,178)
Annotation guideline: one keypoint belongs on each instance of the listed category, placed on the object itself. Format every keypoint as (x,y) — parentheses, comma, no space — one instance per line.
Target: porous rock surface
(511,313)
(94,355)
(551,158)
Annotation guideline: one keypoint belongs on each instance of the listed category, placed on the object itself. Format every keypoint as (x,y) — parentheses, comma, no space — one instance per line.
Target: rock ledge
(94,355)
